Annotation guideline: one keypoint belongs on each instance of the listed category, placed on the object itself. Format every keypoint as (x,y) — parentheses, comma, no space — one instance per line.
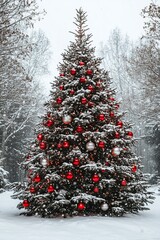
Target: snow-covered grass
(143,226)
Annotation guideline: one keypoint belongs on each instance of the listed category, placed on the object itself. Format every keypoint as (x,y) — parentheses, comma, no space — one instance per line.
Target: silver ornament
(44,162)
(67,119)
(90,146)
(104,207)
(116,151)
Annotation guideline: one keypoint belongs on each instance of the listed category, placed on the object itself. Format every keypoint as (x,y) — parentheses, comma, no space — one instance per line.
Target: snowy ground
(144,226)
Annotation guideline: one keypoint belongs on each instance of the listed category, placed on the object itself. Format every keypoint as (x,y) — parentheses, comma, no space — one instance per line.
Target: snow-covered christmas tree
(81,162)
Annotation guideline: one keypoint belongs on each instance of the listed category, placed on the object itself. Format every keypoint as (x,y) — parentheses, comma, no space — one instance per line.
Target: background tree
(17,101)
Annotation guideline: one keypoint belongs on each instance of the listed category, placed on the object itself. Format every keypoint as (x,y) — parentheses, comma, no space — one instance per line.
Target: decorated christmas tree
(81,162)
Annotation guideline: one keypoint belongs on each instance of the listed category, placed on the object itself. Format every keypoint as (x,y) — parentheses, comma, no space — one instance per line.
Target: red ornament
(90,104)
(91,88)
(40,137)
(73,71)
(111,114)
(95,178)
(89,72)
(79,129)
(111,98)
(25,203)
(59,100)
(117,135)
(134,168)
(61,74)
(82,80)
(96,189)
(66,144)
(61,87)
(49,123)
(130,134)
(81,63)
(59,145)
(69,175)
(117,106)
(119,123)
(50,189)
(37,178)
(124,182)
(98,84)
(32,189)
(101,117)
(84,100)
(101,144)
(43,145)
(81,206)
(76,161)
(72,91)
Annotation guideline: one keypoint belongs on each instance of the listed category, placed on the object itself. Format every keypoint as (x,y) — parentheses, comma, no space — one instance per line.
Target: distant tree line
(135,69)
(23,59)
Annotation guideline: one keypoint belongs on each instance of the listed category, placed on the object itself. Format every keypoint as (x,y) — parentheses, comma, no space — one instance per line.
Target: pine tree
(81,162)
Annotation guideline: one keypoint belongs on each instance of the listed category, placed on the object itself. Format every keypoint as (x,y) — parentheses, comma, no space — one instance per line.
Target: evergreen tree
(82,161)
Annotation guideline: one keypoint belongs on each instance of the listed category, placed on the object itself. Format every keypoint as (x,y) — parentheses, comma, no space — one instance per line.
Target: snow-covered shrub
(3,179)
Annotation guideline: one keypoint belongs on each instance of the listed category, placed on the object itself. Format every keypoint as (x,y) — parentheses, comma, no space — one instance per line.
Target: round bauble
(111,114)
(79,129)
(111,98)
(116,151)
(117,135)
(96,189)
(59,100)
(98,84)
(59,145)
(81,63)
(49,123)
(37,178)
(130,134)
(66,144)
(25,203)
(84,100)
(67,119)
(90,146)
(101,117)
(32,189)
(61,74)
(69,175)
(61,87)
(101,144)
(81,206)
(89,72)
(72,92)
(91,88)
(134,168)
(95,178)
(44,162)
(90,104)
(124,182)
(43,145)
(40,137)
(82,79)
(104,207)
(119,124)
(50,189)
(76,161)
(73,71)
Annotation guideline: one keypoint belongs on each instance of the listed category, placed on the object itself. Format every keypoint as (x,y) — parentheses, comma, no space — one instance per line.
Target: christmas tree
(81,162)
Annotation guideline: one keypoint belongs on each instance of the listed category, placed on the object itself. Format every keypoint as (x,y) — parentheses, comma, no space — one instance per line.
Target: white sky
(103,16)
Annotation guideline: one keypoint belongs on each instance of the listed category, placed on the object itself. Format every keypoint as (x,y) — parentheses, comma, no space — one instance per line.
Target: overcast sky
(103,16)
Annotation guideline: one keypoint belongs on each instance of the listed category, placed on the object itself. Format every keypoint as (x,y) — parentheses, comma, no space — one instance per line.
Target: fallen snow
(144,226)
